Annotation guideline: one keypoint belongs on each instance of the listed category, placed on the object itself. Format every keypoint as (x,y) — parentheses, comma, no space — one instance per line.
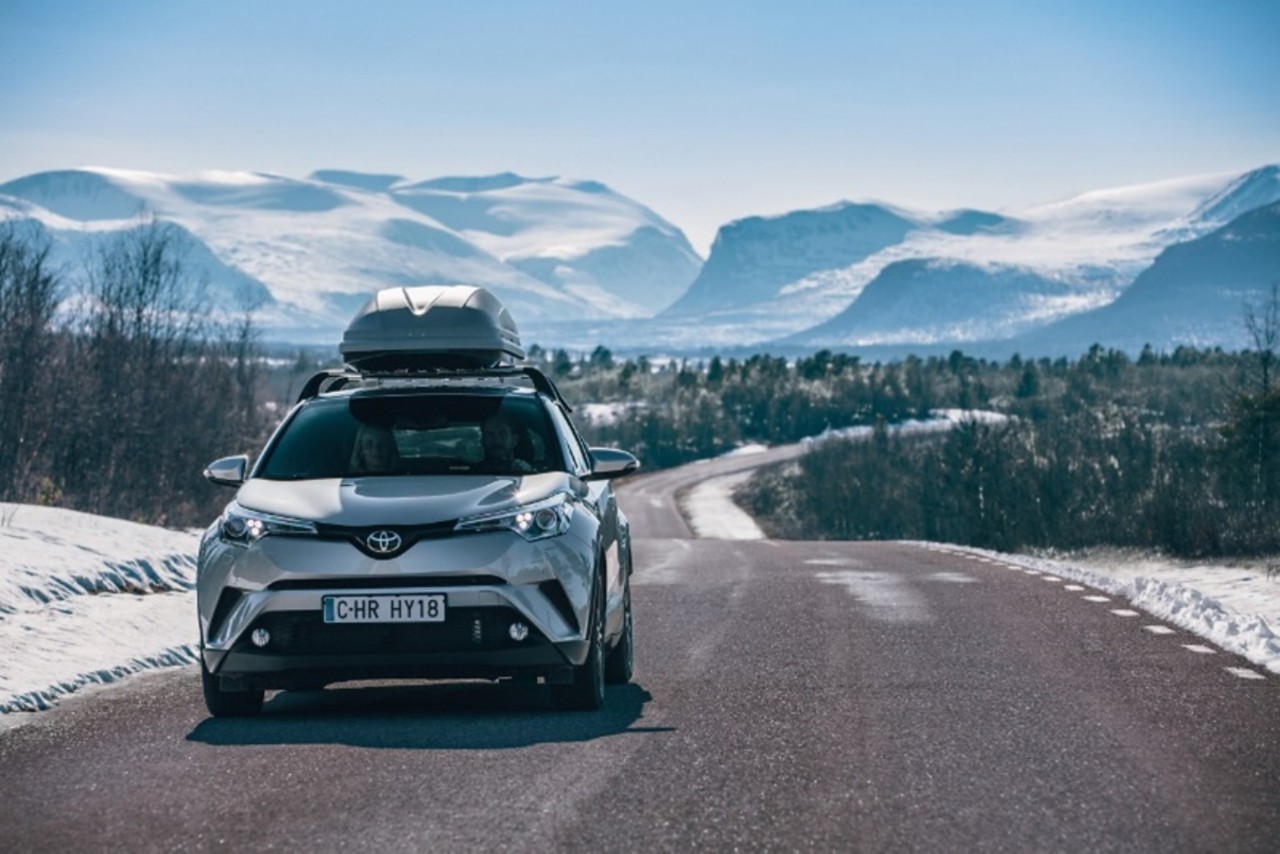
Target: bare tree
(1262,323)
(29,296)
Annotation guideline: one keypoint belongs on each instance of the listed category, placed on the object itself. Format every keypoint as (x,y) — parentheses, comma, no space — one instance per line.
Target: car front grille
(464,630)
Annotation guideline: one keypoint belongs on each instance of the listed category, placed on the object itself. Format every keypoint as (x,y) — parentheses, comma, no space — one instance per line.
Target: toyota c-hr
(412,521)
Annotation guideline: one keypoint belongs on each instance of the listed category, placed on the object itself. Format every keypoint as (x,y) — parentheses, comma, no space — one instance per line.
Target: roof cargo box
(445,327)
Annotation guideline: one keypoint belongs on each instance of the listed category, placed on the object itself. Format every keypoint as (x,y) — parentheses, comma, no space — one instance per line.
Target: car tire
(620,663)
(586,692)
(228,704)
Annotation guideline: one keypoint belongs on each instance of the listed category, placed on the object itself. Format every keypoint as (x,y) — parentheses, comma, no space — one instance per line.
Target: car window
(414,435)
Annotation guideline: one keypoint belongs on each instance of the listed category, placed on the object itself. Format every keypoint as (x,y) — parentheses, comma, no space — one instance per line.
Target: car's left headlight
(537,521)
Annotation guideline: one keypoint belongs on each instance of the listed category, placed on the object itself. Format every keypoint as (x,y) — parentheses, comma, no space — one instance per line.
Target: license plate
(422,608)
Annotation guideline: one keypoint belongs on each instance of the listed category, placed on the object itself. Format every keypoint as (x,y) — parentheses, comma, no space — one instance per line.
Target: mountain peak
(81,195)
(1251,190)
(477,183)
(371,181)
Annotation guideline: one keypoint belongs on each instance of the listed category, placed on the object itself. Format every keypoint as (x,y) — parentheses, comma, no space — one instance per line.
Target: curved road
(789,695)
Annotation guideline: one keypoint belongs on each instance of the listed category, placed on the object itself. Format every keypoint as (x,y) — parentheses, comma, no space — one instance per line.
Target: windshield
(414,435)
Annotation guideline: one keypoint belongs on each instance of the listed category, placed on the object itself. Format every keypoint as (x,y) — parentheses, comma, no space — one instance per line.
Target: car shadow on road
(455,716)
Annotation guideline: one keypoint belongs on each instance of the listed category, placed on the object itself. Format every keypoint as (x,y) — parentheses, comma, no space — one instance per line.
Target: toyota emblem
(383,542)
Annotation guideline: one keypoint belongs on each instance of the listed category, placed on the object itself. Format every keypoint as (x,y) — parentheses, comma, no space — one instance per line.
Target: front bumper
(470,643)
(488,581)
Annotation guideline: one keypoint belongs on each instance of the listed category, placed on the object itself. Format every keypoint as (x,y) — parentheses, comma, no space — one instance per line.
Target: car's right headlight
(244,526)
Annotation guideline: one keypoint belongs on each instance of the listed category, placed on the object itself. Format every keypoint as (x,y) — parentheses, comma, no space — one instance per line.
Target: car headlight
(244,526)
(537,521)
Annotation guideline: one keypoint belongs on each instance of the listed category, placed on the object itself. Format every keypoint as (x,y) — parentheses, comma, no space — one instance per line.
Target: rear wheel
(586,691)
(228,704)
(618,666)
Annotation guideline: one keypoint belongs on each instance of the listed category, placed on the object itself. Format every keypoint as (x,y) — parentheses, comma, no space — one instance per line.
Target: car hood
(366,501)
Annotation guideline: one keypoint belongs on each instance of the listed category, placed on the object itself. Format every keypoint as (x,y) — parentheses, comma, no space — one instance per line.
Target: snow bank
(942,421)
(712,513)
(85,599)
(1162,589)
(49,554)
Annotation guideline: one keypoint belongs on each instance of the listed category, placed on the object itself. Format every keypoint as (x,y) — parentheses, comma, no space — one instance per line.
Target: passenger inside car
(374,452)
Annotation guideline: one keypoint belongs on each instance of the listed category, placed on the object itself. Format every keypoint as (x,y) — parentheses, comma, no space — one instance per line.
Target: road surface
(788,695)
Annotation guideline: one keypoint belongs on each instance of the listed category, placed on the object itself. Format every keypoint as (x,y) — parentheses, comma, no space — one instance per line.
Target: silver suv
(418,524)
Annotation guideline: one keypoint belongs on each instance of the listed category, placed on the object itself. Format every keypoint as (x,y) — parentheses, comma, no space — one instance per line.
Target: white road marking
(1052,579)
(1244,673)
(1096,599)
(1160,630)
(1030,572)
(1124,612)
(1074,588)
(1200,648)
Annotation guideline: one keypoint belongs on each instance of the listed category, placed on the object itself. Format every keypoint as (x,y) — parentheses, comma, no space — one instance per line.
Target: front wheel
(228,704)
(586,692)
(619,665)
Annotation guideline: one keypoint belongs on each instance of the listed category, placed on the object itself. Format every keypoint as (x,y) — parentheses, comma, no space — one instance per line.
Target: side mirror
(608,463)
(228,471)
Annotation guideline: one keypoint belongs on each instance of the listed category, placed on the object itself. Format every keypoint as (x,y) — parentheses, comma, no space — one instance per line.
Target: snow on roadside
(49,554)
(87,599)
(942,421)
(1233,607)
(713,514)
(53,651)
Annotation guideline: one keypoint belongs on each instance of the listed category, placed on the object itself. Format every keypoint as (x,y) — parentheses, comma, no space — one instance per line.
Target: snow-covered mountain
(926,300)
(580,265)
(1195,294)
(753,259)
(942,278)
(310,251)
(609,251)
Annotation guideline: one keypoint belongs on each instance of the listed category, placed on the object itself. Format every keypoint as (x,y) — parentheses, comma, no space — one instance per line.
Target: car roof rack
(443,332)
(335,379)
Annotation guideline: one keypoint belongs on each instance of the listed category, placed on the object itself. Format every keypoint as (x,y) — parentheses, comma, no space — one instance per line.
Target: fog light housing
(518,631)
(260,638)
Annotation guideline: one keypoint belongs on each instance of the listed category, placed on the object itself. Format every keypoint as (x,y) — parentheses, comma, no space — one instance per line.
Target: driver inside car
(500,446)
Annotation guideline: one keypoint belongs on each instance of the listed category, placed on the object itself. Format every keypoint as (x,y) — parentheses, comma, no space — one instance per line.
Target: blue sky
(706,112)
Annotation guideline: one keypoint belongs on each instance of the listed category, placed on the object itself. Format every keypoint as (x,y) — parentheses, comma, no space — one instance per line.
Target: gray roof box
(437,327)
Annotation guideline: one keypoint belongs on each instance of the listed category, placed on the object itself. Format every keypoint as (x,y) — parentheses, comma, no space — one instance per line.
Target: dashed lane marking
(1160,630)
(1244,673)
(1052,579)
(1074,588)
(1124,612)
(1096,599)
(1200,648)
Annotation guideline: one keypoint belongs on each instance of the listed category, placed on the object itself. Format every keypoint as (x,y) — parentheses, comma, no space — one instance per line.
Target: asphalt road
(829,696)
